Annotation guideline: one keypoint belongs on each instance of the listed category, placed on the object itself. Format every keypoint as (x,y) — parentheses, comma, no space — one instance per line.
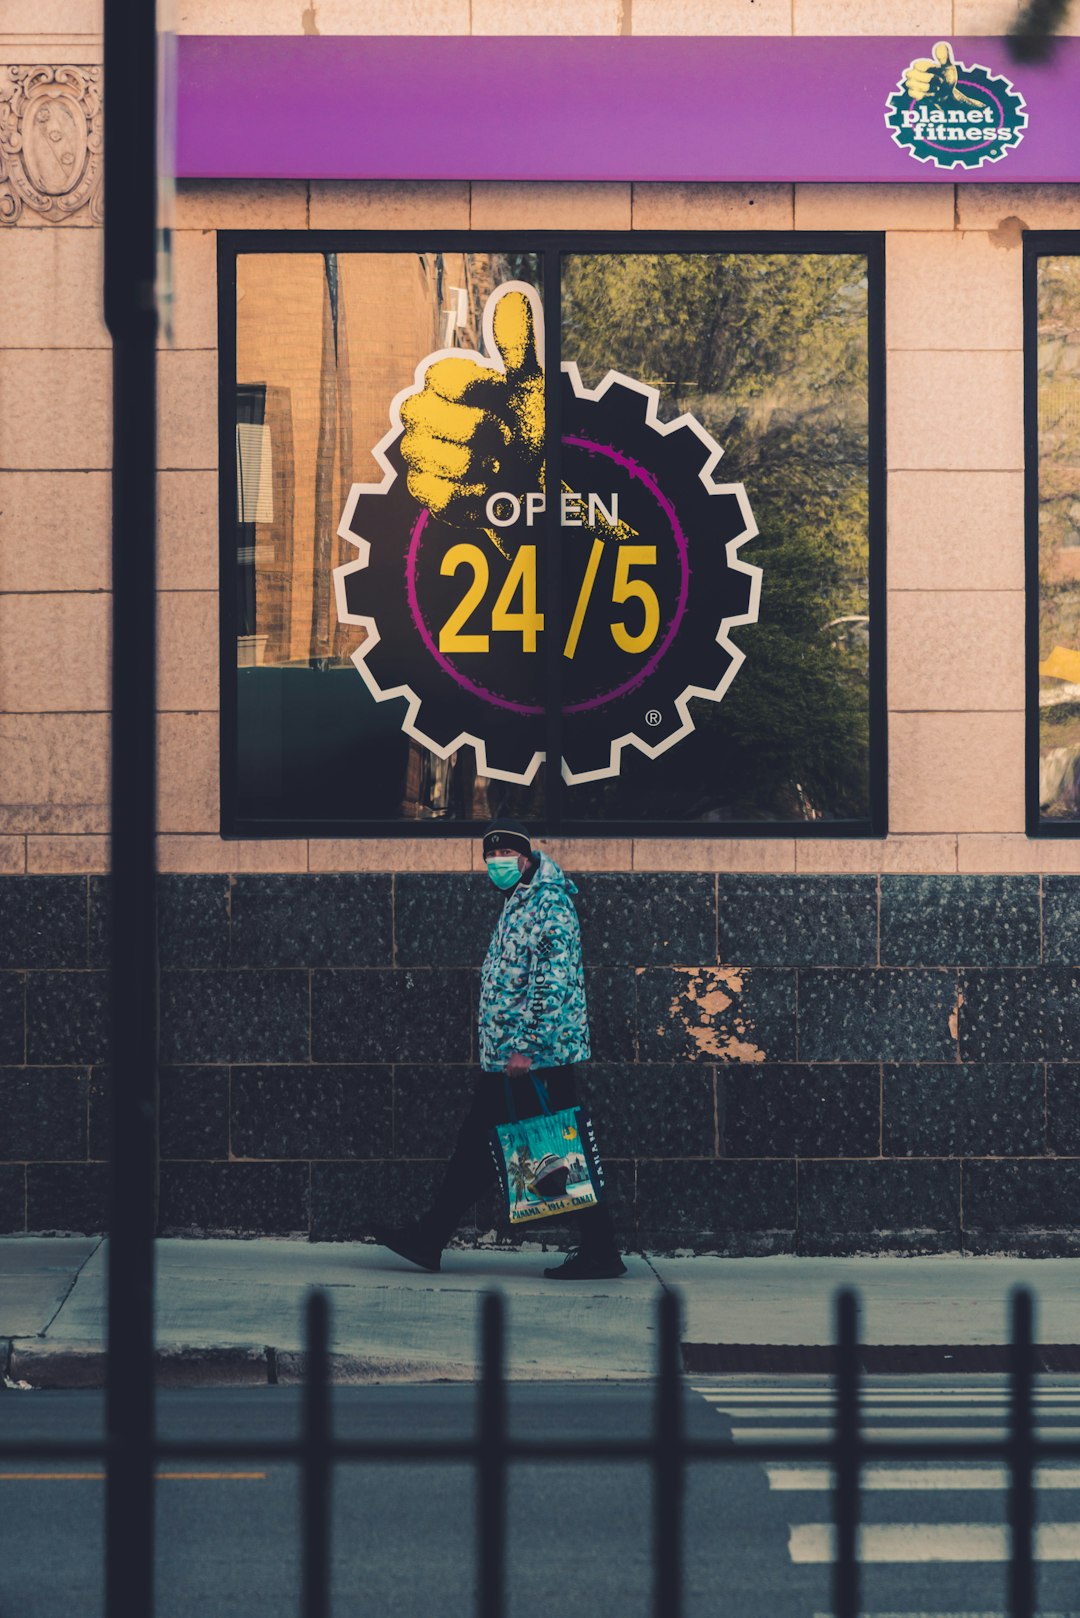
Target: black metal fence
(132,1450)
(668,1452)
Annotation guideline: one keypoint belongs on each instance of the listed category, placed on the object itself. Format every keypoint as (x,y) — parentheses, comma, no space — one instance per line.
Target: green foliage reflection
(769,352)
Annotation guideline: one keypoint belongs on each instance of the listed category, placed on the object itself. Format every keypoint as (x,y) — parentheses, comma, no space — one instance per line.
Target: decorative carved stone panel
(50,145)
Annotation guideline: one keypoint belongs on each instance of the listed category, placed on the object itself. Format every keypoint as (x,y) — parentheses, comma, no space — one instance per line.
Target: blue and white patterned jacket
(532,985)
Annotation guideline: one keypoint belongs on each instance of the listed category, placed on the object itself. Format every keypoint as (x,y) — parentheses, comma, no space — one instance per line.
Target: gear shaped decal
(449,572)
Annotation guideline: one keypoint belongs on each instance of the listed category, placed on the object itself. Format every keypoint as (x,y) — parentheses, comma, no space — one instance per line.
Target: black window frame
(1036,244)
(552,245)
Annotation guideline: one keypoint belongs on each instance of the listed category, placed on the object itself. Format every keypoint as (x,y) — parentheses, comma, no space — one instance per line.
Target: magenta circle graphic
(976,146)
(635,471)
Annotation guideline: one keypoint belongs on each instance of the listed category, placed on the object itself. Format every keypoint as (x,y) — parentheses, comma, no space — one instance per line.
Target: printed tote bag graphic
(548,1164)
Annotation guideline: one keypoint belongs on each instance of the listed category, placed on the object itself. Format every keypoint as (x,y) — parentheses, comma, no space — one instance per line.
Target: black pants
(471,1170)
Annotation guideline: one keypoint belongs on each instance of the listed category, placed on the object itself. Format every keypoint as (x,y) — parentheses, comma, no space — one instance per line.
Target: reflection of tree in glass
(1059,522)
(769,352)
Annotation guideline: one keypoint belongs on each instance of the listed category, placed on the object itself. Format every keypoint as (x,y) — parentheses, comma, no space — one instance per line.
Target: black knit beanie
(504,833)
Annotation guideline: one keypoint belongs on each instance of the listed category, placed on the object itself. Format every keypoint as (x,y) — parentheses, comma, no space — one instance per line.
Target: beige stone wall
(54,495)
(955,571)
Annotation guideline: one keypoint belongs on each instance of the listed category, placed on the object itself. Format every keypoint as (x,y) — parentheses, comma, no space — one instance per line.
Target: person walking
(533,1019)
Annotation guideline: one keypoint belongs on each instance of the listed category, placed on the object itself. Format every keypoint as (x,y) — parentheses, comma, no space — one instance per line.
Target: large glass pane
(766,356)
(392,498)
(387,654)
(1059,537)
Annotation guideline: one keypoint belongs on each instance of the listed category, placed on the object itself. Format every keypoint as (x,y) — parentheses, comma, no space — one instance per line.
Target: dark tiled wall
(811,1064)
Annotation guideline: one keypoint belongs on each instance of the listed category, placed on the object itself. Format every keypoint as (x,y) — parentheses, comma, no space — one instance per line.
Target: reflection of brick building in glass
(325,341)
(447,787)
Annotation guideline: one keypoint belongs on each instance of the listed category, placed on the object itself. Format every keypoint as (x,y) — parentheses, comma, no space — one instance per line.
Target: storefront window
(1053,461)
(614,502)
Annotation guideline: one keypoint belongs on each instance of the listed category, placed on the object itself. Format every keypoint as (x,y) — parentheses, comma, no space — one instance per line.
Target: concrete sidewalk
(232,1311)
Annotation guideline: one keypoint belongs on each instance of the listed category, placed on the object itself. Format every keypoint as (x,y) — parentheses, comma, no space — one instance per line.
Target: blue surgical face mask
(503,870)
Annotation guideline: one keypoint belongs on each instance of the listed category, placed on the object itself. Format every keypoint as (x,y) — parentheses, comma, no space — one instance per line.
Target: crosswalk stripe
(947,1385)
(880,1396)
(890,1411)
(933,1542)
(761,1435)
(818,1479)
(796,1417)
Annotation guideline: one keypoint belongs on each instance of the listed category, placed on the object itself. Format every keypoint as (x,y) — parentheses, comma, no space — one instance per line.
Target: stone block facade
(811,1064)
(800,1045)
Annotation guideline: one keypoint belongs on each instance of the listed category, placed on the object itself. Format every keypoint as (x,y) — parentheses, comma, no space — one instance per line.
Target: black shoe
(407,1242)
(581,1266)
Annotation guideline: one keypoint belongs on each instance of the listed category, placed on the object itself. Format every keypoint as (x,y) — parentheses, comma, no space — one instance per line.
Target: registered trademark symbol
(653,717)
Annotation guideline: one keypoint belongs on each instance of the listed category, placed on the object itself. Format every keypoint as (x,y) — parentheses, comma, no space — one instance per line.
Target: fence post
(668,1466)
(130,263)
(315,1448)
(1020,1455)
(847,1464)
(492,1463)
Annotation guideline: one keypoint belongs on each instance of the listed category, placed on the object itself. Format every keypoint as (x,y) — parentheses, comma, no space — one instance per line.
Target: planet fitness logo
(955,115)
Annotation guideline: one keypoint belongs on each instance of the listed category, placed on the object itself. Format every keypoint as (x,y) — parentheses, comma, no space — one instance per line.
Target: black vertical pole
(847,1437)
(668,1468)
(130,144)
(315,1440)
(491,1502)
(1021,1481)
(554,630)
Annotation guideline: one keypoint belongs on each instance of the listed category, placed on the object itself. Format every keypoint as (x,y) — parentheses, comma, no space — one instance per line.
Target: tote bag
(548,1164)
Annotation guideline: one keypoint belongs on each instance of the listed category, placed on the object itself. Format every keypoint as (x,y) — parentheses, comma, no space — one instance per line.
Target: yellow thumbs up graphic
(476,424)
(934,79)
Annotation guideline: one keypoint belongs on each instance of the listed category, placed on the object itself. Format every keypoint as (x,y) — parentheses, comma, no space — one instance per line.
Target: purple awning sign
(743,109)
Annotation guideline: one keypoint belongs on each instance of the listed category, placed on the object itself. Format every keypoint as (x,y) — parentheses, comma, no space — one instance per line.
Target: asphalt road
(758,1540)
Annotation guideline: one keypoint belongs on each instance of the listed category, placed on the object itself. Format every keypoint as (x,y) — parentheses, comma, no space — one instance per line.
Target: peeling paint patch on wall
(954,1017)
(698,1012)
